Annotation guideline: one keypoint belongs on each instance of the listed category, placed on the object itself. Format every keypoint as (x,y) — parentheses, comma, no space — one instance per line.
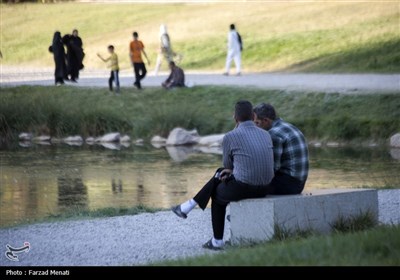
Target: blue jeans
(114,76)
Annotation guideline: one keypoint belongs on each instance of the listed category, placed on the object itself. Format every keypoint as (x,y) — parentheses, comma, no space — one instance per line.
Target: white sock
(217,242)
(188,206)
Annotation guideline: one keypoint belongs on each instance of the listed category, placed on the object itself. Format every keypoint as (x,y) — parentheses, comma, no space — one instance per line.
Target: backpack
(240,41)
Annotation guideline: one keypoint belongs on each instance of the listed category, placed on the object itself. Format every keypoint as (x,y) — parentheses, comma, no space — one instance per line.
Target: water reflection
(116,188)
(40,180)
(72,192)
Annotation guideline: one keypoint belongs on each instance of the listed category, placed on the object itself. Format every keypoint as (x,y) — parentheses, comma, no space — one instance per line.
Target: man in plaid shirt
(290,151)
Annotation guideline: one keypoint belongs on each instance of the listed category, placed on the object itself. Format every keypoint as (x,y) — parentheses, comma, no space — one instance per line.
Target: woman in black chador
(74,54)
(57,48)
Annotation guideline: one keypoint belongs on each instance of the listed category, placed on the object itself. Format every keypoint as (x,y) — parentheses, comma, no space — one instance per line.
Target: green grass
(64,111)
(378,246)
(317,37)
(357,223)
(79,213)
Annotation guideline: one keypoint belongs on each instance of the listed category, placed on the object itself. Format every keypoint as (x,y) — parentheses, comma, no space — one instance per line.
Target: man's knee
(220,195)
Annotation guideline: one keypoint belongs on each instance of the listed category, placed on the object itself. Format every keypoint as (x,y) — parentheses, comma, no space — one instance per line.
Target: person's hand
(225,174)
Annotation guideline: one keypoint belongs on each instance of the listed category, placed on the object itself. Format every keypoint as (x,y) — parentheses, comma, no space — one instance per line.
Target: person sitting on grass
(113,65)
(176,78)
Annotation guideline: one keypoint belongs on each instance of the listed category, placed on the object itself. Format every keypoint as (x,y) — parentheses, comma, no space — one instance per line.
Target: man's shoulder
(285,130)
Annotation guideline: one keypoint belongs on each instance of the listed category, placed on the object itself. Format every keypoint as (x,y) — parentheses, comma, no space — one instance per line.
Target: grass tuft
(363,221)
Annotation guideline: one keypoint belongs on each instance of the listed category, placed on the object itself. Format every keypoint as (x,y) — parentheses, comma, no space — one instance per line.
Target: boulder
(211,140)
(111,146)
(55,140)
(395,141)
(109,138)
(179,136)
(158,139)
(73,139)
(395,153)
(139,141)
(42,138)
(125,139)
(333,144)
(24,136)
(90,140)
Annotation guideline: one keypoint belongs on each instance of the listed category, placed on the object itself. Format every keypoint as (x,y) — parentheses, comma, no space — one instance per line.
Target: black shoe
(210,246)
(177,210)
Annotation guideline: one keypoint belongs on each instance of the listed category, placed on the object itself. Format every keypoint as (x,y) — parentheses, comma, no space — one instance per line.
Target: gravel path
(343,83)
(124,240)
(131,240)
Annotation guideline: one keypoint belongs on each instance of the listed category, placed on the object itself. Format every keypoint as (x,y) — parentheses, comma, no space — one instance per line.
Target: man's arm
(278,150)
(227,159)
(145,55)
(104,59)
(168,81)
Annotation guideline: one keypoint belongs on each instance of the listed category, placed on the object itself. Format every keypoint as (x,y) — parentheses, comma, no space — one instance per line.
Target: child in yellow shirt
(113,65)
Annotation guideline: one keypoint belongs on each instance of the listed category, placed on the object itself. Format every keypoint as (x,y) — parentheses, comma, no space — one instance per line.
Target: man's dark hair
(264,110)
(135,34)
(243,111)
(232,26)
(75,30)
(111,47)
(171,63)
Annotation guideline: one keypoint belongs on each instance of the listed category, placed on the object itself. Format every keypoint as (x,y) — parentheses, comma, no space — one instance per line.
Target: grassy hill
(322,37)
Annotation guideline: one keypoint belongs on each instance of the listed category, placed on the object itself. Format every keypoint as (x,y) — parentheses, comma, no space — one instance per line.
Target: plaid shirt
(290,150)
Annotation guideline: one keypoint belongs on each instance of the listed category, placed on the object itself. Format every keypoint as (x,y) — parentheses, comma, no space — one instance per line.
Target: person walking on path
(234,51)
(74,55)
(290,151)
(113,65)
(165,50)
(136,48)
(248,168)
(176,78)
(57,48)
(78,54)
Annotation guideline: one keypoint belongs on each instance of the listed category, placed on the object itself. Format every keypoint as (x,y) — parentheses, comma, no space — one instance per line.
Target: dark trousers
(140,73)
(114,76)
(223,192)
(285,184)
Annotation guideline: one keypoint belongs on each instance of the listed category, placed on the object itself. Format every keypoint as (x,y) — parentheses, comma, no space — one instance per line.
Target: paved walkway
(343,83)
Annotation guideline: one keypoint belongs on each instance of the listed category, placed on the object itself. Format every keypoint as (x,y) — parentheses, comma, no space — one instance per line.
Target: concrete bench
(254,220)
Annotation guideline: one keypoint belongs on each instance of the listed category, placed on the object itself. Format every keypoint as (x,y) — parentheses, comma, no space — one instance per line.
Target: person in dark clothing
(176,78)
(75,55)
(57,48)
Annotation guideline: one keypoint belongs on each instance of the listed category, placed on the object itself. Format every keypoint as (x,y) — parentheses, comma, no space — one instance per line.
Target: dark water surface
(39,181)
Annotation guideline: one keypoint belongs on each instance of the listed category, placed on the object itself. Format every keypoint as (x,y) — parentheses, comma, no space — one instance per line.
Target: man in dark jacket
(176,78)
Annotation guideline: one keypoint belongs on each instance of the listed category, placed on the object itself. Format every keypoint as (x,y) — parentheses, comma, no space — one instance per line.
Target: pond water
(38,181)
